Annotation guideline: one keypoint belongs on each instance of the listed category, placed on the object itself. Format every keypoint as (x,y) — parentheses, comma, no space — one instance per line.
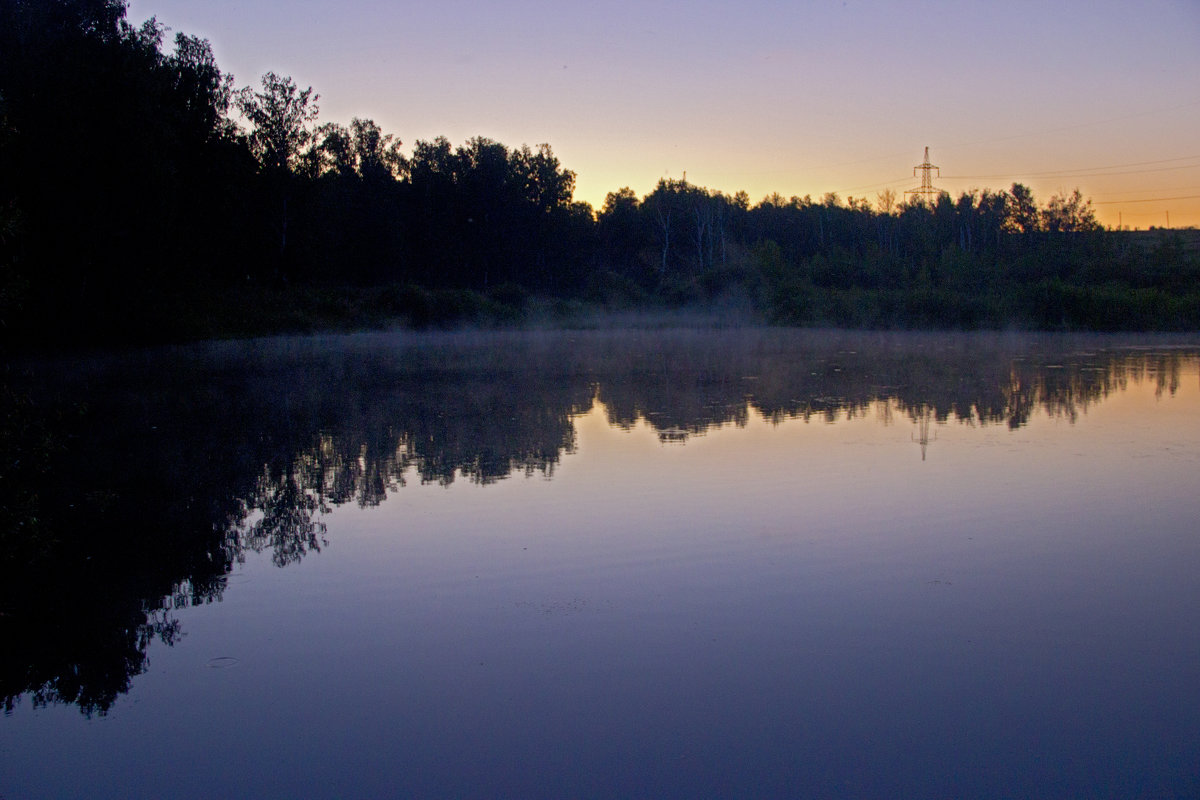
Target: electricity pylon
(925,192)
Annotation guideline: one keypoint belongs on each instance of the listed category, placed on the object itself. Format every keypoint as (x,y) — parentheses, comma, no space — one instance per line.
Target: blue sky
(762,96)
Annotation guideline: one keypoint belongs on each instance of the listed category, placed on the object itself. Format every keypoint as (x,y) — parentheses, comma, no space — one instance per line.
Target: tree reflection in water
(142,480)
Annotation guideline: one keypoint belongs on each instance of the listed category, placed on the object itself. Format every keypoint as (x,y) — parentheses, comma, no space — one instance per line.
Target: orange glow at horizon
(1164,203)
(765,97)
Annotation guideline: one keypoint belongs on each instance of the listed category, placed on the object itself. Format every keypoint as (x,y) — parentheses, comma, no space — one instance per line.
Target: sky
(799,98)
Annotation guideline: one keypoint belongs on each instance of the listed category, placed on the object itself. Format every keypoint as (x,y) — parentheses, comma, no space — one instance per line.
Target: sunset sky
(763,95)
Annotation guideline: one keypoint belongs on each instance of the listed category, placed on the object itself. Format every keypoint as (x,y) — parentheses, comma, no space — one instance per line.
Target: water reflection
(924,416)
(145,479)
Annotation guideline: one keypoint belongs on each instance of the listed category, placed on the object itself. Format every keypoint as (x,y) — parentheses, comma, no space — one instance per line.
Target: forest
(148,198)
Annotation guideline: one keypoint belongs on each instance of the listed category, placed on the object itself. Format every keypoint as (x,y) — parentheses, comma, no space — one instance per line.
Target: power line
(1112,166)
(873,185)
(1141,163)
(1082,172)
(1147,200)
(1079,172)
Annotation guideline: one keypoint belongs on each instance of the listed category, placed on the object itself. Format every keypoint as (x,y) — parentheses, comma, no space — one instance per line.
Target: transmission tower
(925,192)
(925,416)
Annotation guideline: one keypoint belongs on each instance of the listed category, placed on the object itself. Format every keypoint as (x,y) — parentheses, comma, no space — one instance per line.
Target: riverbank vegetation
(147,198)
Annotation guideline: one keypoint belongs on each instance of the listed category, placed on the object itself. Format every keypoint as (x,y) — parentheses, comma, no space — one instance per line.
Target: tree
(662,202)
(376,155)
(205,95)
(622,232)
(546,184)
(362,149)
(331,152)
(1023,216)
(281,115)
(886,201)
(1069,214)
(993,211)
(967,214)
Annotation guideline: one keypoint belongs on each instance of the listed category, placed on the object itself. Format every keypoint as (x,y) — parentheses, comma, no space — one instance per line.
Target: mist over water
(601,563)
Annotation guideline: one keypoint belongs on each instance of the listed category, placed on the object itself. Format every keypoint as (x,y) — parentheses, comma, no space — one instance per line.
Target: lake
(673,563)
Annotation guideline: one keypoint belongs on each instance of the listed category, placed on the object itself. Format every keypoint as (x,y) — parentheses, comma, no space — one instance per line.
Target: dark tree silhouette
(135,207)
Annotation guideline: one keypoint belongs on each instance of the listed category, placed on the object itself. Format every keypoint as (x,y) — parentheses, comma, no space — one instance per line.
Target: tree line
(146,196)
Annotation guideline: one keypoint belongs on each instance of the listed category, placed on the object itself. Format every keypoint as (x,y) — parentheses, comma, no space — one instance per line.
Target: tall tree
(282,116)
(1069,214)
(205,94)
(376,154)
(1023,215)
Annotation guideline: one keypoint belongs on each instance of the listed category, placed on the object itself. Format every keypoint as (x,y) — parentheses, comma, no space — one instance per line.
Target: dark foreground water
(656,564)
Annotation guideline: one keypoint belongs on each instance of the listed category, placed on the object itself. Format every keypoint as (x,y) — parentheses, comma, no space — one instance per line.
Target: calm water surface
(600,564)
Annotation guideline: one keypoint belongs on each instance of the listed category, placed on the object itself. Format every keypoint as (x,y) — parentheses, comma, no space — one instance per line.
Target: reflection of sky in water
(798,608)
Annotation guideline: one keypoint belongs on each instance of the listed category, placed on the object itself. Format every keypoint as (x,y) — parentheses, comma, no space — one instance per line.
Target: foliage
(147,199)
(281,116)
(1069,214)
